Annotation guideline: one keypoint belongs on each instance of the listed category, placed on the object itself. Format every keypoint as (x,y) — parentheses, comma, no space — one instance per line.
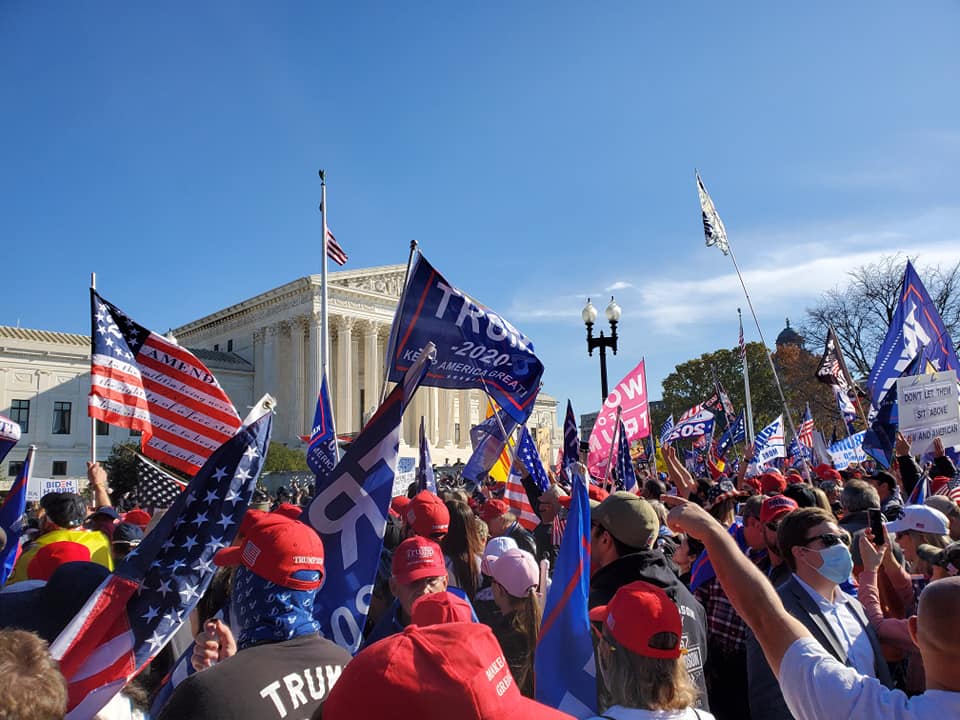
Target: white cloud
(619,285)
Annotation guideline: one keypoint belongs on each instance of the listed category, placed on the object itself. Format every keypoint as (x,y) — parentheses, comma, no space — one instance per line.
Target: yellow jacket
(95,540)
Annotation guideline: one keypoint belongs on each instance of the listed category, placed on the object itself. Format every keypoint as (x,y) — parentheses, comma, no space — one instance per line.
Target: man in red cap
(771,512)
(417,569)
(272,660)
(502,522)
(454,671)
(427,516)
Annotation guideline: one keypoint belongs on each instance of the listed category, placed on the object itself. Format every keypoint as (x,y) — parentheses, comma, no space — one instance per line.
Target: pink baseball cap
(516,570)
(417,558)
(439,608)
(456,670)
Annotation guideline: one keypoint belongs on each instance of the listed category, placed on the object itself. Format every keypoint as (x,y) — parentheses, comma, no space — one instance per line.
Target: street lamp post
(589,315)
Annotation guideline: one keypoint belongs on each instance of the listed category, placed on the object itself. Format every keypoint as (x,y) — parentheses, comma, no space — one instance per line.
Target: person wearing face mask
(818,554)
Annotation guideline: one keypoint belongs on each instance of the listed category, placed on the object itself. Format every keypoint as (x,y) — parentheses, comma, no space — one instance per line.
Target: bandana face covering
(265,612)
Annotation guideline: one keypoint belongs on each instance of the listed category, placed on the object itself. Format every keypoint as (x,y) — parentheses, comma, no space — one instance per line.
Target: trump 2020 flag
(630,396)
(916,326)
(733,434)
(564,666)
(769,443)
(626,476)
(425,477)
(476,347)
(350,514)
(12,519)
(571,438)
(695,422)
(322,455)
(143,381)
(9,435)
(138,608)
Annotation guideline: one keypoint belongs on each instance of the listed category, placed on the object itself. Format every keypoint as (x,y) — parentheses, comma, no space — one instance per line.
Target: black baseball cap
(65,509)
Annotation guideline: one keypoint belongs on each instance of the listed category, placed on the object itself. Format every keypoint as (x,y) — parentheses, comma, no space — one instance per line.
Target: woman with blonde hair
(640,656)
(515,582)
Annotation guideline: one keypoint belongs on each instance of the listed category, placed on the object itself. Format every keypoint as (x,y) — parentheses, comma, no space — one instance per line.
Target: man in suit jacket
(817,552)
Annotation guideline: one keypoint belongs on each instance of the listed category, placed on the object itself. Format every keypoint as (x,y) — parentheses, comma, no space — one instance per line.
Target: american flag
(142,381)
(951,490)
(742,343)
(527,452)
(626,476)
(519,502)
(155,488)
(805,432)
(334,251)
(136,611)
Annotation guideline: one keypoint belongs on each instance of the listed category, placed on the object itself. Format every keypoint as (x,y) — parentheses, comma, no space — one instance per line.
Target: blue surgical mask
(837,563)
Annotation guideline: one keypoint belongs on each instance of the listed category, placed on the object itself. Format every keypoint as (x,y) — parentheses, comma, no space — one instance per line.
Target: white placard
(38,487)
(927,409)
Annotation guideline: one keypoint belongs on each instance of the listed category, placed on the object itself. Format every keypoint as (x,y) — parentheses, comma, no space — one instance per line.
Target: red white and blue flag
(136,611)
(805,431)
(530,457)
(143,381)
(12,518)
(334,251)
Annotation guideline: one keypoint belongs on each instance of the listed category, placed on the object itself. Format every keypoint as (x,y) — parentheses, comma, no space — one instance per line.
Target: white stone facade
(268,343)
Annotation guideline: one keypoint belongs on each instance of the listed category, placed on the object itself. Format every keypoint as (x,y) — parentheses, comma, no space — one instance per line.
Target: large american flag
(951,490)
(334,251)
(143,381)
(136,611)
(155,488)
(805,431)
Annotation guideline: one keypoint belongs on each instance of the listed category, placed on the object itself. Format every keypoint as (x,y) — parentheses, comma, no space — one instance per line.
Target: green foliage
(121,467)
(280,458)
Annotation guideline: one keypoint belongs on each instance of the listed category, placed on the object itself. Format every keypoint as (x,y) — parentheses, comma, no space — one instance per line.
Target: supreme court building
(270,343)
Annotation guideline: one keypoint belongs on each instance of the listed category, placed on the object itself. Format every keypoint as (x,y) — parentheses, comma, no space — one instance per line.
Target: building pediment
(385,280)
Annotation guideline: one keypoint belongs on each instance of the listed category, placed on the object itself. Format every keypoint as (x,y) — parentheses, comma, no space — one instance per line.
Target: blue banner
(697,425)
(563,663)
(769,443)
(12,518)
(9,435)
(846,451)
(350,514)
(425,477)
(626,476)
(322,452)
(916,326)
(571,438)
(476,347)
(733,434)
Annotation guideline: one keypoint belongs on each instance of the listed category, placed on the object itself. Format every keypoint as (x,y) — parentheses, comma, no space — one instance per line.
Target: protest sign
(928,409)
(630,395)
(38,486)
(849,450)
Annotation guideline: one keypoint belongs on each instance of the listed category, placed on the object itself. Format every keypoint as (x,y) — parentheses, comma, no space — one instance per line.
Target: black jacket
(524,539)
(653,567)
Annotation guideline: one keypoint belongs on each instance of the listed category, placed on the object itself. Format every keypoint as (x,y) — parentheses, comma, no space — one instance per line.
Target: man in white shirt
(816,551)
(815,685)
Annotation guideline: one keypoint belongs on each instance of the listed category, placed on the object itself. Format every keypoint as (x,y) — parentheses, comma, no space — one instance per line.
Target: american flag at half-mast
(138,608)
(713,229)
(155,487)
(334,251)
(143,381)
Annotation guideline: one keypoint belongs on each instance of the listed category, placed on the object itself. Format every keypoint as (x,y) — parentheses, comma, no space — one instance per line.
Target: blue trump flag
(350,514)
(626,476)
(916,325)
(564,665)
(425,478)
(12,518)
(322,455)
(9,435)
(488,440)
(476,347)
(733,434)
(530,457)
(571,438)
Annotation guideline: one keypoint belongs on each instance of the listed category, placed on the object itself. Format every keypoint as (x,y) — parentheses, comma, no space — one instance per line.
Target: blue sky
(540,152)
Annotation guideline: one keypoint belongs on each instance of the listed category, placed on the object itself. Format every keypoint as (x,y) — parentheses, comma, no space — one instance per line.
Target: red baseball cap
(456,670)
(772,483)
(289,510)
(399,504)
(637,612)
(138,517)
(439,608)
(417,558)
(493,509)
(825,472)
(427,515)
(776,506)
(275,547)
(50,557)
(594,492)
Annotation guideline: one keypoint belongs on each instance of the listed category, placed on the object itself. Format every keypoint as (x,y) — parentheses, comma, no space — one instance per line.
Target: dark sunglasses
(829,539)
(772,526)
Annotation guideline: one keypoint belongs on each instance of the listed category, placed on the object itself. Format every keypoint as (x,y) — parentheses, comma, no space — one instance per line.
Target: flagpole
(325,340)
(389,350)
(93,421)
(613,444)
(746,384)
(846,373)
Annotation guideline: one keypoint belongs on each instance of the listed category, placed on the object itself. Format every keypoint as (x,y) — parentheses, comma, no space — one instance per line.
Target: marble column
(314,349)
(445,434)
(464,418)
(433,415)
(344,409)
(371,370)
(269,374)
(297,379)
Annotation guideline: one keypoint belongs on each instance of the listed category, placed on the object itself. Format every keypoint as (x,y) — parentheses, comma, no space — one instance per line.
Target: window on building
(229,345)
(216,347)
(456,433)
(102,428)
(14,468)
(59,468)
(20,414)
(61,418)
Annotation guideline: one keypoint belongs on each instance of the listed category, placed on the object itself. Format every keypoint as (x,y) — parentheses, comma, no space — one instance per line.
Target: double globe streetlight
(589,315)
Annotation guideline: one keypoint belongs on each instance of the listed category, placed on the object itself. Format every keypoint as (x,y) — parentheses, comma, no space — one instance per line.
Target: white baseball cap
(920,518)
(496,547)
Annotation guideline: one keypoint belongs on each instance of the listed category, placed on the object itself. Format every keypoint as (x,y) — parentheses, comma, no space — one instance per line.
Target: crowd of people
(766,595)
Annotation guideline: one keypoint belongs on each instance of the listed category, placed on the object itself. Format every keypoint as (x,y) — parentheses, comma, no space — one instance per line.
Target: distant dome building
(789,336)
